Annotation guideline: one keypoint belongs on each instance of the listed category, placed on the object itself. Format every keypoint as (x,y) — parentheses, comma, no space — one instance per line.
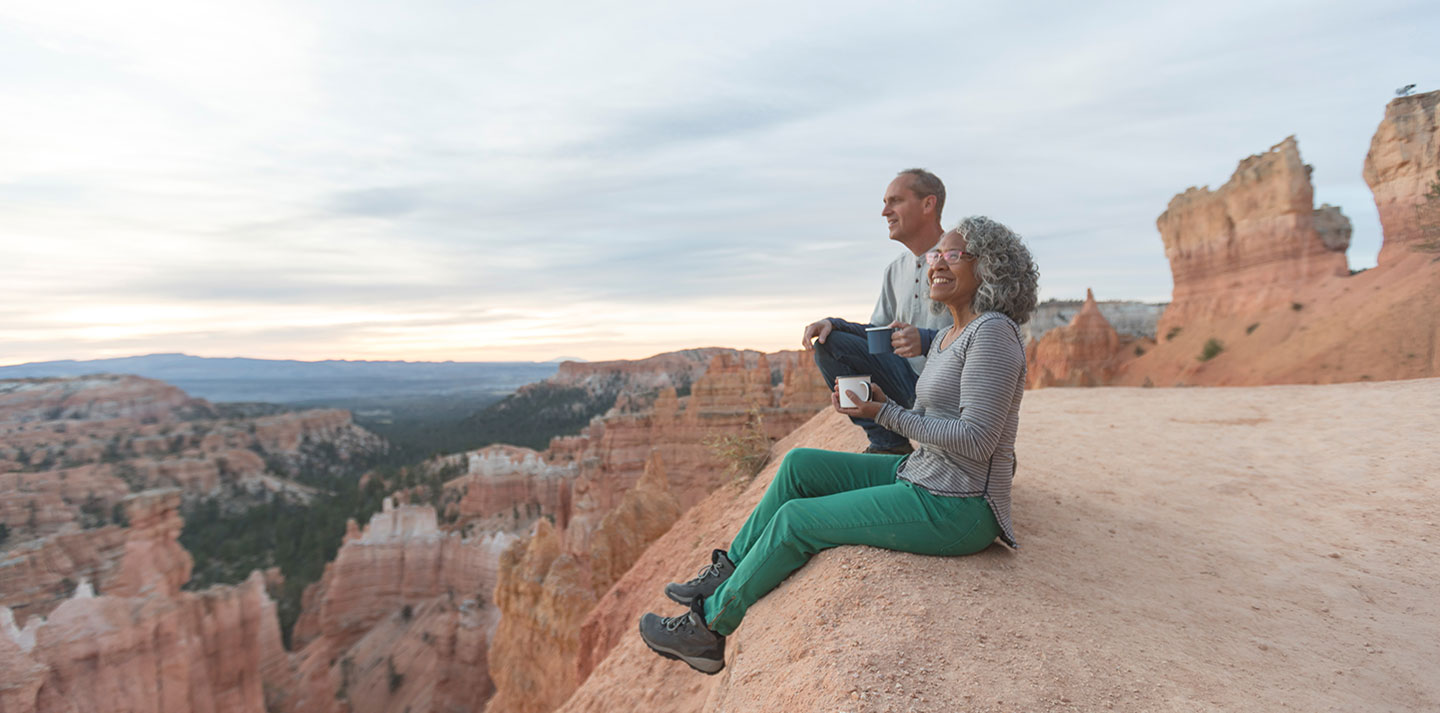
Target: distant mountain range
(286,381)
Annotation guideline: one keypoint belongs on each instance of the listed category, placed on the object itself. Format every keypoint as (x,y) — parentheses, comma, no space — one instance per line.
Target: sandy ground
(1238,549)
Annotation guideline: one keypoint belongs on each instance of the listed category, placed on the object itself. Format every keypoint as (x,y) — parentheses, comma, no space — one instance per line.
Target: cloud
(494,172)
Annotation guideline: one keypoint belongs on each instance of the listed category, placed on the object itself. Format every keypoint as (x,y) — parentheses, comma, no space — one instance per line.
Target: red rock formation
(402,617)
(1400,168)
(1248,246)
(544,594)
(94,398)
(671,369)
(617,512)
(505,488)
(803,386)
(644,514)
(1083,353)
(1333,227)
(729,384)
(75,448)
(144,645)
(1376,325)
(154,562)
(864,629)
(144,559)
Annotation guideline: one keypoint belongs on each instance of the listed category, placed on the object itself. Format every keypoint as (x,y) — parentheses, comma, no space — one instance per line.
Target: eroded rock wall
(144,645)
(1085,352)
(1401,168)
(1248,246)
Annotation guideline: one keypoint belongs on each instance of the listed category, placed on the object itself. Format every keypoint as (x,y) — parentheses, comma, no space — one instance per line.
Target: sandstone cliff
(1249,245)
(1261,294)
(1132,319)
(1086,352)
(1402,165)
(1167,575)
(636,469)
(144,645)
(71,450)
(401,620)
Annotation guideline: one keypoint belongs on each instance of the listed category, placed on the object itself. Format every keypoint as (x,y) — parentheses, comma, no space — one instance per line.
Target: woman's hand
(863,409)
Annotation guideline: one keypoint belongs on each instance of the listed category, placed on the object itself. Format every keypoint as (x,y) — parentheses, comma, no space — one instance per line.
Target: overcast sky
(527,180)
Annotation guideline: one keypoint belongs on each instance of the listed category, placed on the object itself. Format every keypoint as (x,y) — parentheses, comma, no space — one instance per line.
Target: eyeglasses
(952,257)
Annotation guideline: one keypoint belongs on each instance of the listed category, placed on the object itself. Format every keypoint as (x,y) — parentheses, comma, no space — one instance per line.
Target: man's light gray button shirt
(905,296)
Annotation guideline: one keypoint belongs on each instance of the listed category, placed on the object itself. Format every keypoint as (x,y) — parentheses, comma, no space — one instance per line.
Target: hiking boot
(704,584)
(903,449)
(685,638)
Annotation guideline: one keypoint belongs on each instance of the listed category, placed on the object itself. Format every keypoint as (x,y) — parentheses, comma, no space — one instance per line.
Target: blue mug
(877,339)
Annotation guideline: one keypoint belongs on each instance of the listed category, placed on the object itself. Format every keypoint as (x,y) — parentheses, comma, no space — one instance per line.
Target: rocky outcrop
(544,593)
(1131,319)
(506,488)
(1402,165)
(1139,588)
(802,385)
(144,645)
(95,398)
(1085,352)
(1248,246)
(1300,325)
(142,560)
(402,617)
(154,563)
(637,469)
(401,558)
(645,513)
(673,369)
(1333,227)
(73,450)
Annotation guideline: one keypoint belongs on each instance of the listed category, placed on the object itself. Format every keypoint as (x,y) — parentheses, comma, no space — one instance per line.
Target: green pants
(821,499)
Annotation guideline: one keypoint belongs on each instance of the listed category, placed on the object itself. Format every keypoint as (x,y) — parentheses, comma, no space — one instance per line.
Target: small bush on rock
(1212,348)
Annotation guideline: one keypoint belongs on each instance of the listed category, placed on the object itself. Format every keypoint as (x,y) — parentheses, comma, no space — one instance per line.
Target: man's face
(905,212)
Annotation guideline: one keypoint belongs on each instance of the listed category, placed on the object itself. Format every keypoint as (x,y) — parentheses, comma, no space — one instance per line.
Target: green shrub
(1251,328)
(1296,306)
(1212,348)
(397,679)
(1174,332)
(745,453)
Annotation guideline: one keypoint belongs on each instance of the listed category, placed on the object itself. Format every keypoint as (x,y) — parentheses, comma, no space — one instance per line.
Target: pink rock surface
(1400,168)
(1168,574)
(1247,246)
(1085,352)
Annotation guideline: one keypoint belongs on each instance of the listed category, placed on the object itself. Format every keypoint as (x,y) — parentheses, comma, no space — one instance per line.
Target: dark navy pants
(845,354)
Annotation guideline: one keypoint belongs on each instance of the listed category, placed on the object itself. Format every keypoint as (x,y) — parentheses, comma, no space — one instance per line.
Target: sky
(487,181)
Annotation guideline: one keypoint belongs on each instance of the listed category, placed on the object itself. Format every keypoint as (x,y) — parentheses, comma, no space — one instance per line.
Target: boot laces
(672,623)
(706,572)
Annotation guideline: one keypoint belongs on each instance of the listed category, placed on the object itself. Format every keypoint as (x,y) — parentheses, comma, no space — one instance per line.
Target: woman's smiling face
(952,283)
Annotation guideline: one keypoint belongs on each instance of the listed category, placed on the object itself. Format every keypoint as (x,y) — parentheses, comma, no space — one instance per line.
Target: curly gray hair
(1009,279)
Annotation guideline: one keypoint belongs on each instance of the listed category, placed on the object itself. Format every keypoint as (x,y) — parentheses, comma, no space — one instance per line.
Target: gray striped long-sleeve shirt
(966,415)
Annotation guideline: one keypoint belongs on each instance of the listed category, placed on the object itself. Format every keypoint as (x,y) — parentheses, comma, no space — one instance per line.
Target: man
(913,202)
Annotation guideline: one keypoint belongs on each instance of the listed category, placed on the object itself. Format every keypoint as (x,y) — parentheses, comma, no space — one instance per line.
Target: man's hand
(863,409)
(905,339)
(820,330)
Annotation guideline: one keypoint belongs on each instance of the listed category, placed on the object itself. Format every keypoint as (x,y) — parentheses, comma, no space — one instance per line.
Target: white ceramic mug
(859,383)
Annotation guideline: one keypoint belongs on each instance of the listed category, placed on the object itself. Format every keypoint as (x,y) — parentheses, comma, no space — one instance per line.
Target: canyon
(415,604)
(513,582)
(72,450)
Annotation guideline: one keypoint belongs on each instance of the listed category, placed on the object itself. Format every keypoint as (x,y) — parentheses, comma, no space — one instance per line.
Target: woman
(950,497)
